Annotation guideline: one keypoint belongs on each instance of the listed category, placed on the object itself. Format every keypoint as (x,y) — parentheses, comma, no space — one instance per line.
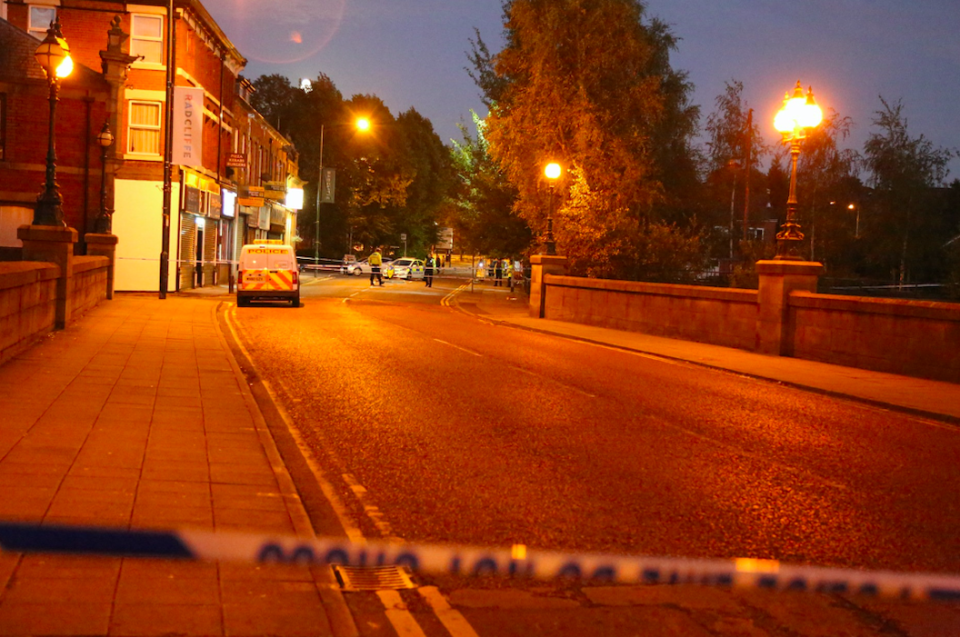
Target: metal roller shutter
(188,251)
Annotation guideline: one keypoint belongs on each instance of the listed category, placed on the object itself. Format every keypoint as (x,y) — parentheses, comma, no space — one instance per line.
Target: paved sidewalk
(931,398)
(138,416)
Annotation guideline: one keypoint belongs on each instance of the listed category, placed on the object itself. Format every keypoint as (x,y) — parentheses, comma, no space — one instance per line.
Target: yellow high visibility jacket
(375,259)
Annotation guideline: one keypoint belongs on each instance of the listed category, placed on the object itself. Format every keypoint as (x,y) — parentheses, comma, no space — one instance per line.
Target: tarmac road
(458,430)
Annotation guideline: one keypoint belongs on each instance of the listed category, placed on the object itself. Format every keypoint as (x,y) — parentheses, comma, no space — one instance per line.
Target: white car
(404,268)
(356,268)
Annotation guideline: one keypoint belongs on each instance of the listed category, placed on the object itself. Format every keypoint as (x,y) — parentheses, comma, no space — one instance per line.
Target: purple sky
(412,53)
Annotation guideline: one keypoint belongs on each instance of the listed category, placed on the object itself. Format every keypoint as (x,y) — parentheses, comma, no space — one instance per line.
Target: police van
(268,271)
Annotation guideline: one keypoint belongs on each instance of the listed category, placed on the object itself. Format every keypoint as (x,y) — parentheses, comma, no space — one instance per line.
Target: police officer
(428,271)
(375,261)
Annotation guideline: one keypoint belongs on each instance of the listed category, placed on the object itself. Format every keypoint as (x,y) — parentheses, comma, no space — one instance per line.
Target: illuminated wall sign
(188,126)
(295,199)
(229,204)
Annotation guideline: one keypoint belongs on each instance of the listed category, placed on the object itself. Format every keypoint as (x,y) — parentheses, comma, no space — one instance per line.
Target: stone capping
(655,289)
(14,274)
(936,310)
(84,264)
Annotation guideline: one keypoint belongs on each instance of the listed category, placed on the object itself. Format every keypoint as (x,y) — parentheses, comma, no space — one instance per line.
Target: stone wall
(28,296)
(783,318)
(916,338)
(720,316)
(89,283)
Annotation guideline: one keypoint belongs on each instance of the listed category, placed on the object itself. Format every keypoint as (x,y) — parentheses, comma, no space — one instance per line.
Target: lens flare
(266,31)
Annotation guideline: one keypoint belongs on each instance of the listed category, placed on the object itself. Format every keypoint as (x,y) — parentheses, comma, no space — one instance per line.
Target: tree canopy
(585,83)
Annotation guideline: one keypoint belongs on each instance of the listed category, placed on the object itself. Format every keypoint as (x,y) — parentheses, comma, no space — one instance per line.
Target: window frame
(39,32)
(141,127)
(134,38)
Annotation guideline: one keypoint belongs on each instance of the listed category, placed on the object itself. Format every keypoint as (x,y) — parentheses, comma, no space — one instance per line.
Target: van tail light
(240,276)
(296,278)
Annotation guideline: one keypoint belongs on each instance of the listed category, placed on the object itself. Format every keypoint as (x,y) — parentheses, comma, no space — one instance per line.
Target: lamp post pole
(799,115)
(316,241)
(105,218)
(552,171)
(53,54)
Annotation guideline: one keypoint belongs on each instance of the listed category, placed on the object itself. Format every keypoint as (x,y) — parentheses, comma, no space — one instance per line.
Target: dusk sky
(413,53)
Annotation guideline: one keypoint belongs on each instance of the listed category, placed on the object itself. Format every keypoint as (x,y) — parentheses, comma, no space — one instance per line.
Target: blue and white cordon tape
(517,561)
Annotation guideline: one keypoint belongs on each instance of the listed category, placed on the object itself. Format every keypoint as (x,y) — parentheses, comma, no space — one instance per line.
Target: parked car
(355,268)
(404,268)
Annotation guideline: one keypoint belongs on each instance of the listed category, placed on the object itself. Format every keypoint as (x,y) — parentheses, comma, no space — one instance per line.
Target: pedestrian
(428,271)
(375,261)
(498,273)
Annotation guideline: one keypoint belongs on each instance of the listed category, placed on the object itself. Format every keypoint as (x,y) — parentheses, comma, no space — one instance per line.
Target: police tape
(517,561)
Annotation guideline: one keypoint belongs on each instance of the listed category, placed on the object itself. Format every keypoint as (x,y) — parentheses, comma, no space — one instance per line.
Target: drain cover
(372,578)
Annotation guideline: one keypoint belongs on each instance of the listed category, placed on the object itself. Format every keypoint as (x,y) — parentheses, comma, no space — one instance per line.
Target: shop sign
(252,202)
(191,199)
(215,203)
(188,126)
(236,160)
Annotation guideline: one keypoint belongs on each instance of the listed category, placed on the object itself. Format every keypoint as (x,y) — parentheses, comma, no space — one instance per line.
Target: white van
(268,270)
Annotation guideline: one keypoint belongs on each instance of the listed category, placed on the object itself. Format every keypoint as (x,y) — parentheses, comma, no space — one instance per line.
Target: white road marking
(339,509)
(401,618)
(455,623)
(459,348)
(373,512)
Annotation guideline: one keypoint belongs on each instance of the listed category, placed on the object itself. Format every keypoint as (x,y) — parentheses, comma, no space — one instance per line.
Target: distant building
(224,147)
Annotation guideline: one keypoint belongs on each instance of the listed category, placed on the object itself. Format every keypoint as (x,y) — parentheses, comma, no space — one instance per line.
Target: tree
(734,148)
(274,98)
(483,200)
(584,82)
(904,230)
(430,162)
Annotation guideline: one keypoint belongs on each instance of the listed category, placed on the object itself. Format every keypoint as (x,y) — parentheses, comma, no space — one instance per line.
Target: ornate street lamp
(552,171)
(53,55)
(105,218)
(798,116)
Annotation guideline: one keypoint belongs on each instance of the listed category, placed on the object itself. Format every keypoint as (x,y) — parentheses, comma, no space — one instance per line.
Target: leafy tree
(826,183)
(274,98)
(584,82)
(483,200)
(430,162)
(903,226)
(732,135)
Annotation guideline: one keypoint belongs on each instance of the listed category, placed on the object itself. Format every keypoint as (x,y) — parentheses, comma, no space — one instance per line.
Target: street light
(362,124)
(53,55)
(105,218)
(552,171)
(798,116)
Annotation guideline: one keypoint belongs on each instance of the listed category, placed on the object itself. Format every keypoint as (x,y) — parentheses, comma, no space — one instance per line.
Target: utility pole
(748,151)
(168,152)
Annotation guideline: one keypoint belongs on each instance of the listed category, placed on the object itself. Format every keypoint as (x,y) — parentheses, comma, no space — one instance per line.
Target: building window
(144,130)
(146,38)
(40,19)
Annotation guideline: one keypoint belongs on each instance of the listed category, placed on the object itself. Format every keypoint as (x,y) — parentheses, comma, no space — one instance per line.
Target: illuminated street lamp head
(552,171)
(53,54)
(363,124)
(799,114)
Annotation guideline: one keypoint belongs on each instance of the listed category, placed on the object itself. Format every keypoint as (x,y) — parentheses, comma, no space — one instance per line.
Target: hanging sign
(188,126)
(328,184)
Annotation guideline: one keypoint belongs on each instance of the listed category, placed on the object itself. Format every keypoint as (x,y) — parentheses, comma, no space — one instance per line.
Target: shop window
(40,19)
(143,133)
(146,38)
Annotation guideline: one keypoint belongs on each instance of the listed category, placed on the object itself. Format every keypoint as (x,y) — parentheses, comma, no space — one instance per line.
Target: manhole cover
(373,578)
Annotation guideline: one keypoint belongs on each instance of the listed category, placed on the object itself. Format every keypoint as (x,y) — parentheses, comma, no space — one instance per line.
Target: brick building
(24,122)
(127,42)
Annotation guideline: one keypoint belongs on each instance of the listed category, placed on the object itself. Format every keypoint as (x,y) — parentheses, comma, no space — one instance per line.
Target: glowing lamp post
(53,55)
(105,218)
(552,171)
(794,121)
